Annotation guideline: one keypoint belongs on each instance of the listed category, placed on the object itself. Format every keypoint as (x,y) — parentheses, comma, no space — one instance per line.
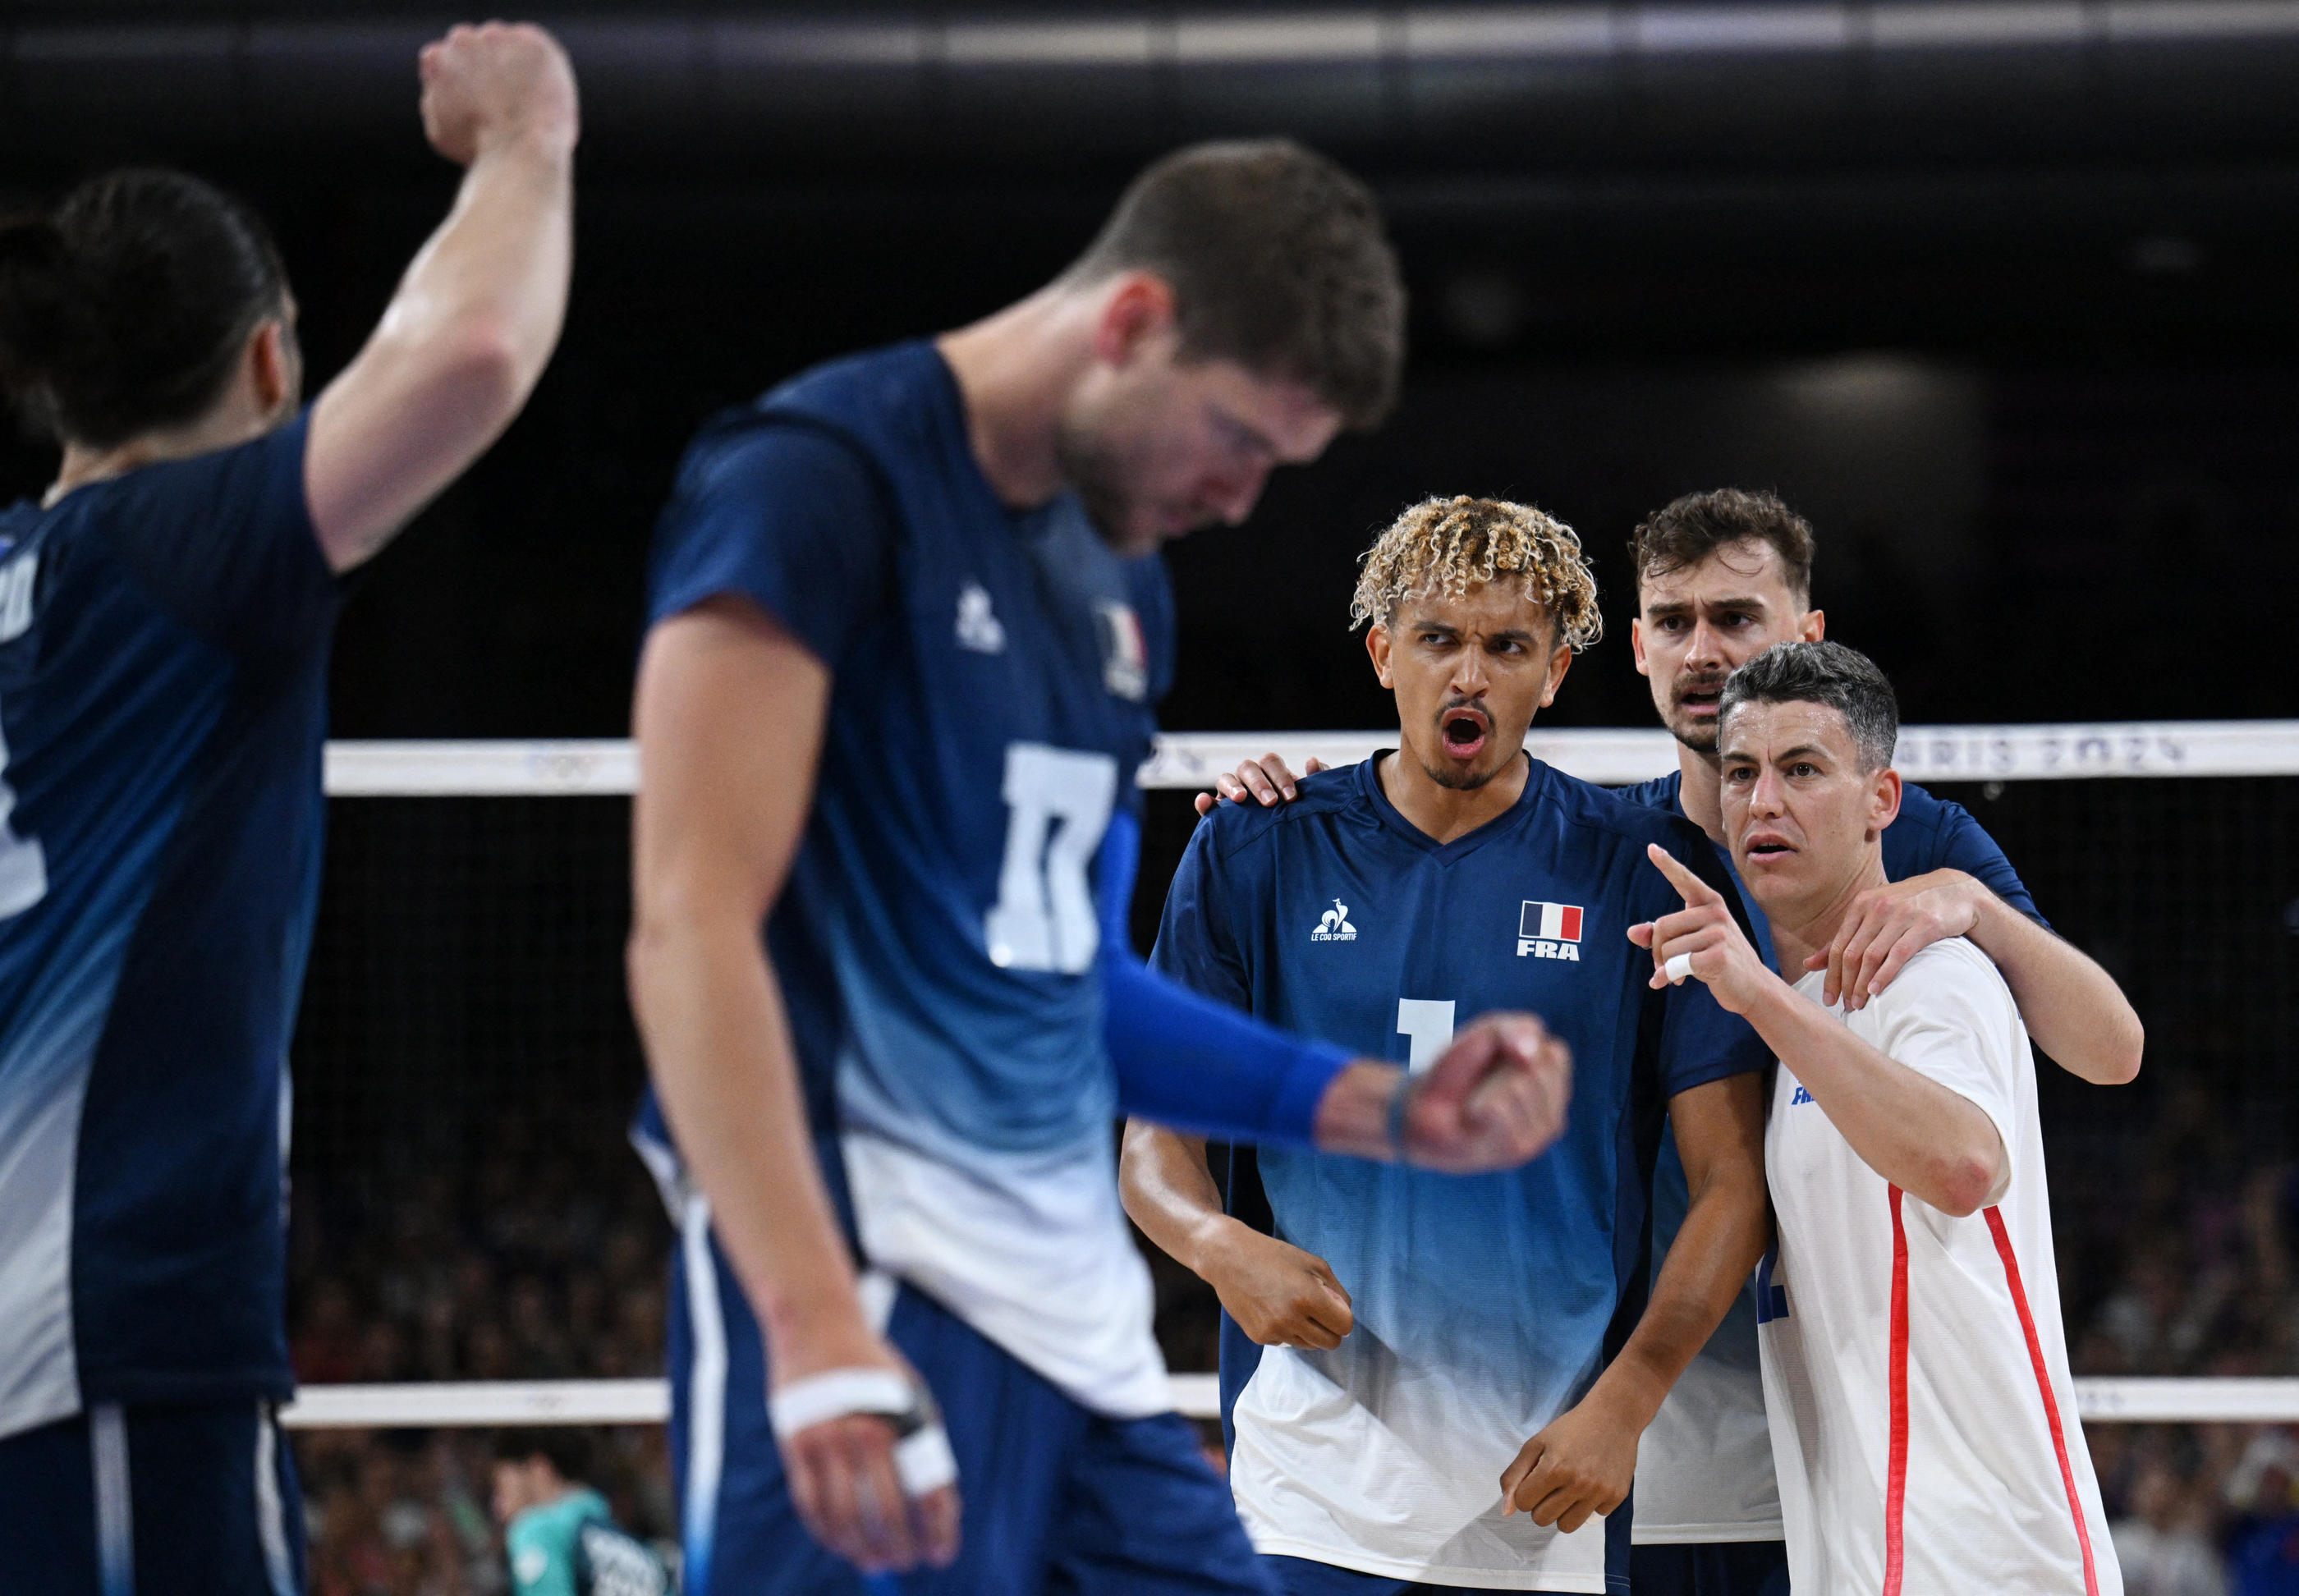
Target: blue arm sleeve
(786,516)
(1183,1059)
(1188,1061)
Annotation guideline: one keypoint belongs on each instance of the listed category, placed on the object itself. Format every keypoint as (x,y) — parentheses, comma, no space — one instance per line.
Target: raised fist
(495,82)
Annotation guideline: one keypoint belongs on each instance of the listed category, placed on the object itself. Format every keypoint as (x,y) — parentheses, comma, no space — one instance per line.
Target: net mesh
(466,1207)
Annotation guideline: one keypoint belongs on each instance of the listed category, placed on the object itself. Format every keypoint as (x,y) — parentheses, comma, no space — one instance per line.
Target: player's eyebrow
(1801,751)
(1671,607)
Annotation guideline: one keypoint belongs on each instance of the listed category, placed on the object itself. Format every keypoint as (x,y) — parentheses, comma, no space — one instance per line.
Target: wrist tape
(923,1460)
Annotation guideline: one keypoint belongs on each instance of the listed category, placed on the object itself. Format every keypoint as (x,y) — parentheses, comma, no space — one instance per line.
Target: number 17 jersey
(993,676)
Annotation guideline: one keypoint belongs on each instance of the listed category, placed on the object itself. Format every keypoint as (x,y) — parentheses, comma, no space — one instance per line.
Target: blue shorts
(1723,1569)
(1058,1499)
(1298,1576)
(200,1497)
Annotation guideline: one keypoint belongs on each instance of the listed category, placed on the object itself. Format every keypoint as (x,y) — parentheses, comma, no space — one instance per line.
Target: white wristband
(923,1460)
(837,1393)
(1678,966)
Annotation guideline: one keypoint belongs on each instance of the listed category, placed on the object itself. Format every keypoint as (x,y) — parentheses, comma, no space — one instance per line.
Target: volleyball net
(474,1244)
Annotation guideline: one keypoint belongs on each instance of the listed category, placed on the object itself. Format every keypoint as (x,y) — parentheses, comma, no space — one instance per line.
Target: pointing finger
(1697,892)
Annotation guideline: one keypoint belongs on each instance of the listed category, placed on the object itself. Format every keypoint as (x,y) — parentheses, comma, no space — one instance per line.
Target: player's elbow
(1963,1181)
(2120,1066)
(483,365)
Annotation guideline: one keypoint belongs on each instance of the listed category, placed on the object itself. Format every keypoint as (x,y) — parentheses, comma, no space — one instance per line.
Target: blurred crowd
(2176,1259)
(546,1260)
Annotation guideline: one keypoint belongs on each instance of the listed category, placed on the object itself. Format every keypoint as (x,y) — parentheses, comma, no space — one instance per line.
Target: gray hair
(1843,678)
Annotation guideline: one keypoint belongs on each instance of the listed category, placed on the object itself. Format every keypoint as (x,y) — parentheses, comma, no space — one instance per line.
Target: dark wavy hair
(1686,530)
(125,310)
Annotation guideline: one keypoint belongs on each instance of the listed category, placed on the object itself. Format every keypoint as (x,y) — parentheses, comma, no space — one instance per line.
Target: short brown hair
(1277,261)
(1449,546)
(1689,529)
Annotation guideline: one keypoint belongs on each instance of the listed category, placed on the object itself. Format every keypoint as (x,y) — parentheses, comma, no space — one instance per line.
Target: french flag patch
(1549,931)
(1550,922)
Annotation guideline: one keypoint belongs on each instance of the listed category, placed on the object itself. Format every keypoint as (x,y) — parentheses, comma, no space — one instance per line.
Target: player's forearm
(1727,1224)
(496,271)
(1910,1129)
(719,1047)
(2073,1008)
(1170,1194)
(456,354)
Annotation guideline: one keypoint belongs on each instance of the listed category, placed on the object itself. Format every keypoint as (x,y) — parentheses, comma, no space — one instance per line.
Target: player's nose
(1233,494)
(1706,647)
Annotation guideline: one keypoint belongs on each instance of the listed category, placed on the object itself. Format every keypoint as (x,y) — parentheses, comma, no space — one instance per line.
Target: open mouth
(1767,847)
(1700,701)
(1464,732)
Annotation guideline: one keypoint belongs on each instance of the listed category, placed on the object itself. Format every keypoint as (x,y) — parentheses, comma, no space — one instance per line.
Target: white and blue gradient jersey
(163,649)
(1485,1305)
(1705,1472)
(964,1031)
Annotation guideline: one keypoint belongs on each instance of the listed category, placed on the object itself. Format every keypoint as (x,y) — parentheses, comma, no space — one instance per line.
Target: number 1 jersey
(1485,1305)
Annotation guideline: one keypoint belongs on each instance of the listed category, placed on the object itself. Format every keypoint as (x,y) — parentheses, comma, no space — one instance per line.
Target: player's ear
(1136,307)
(271,364)
(1884,799)
(1377,650)
(1814,626)
(1636,644)
(1560,661)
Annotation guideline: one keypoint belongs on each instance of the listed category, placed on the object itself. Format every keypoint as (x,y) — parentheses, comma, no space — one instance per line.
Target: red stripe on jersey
(1895,1477)
(2044,1387)
(1569,929)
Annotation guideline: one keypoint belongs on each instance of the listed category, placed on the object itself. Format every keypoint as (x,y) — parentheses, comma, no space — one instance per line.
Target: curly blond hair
(1449,546)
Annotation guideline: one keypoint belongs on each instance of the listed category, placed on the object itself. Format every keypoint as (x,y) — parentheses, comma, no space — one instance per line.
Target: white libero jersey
(1923,1416)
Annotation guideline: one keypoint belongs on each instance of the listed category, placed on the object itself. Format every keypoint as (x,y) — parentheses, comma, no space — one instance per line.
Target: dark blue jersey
(964,1033)
(1484,1305)
(163,650)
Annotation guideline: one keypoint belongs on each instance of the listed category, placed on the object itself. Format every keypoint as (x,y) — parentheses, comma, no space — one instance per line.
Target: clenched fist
(1495,1098)
(1279,1296)
(495,82)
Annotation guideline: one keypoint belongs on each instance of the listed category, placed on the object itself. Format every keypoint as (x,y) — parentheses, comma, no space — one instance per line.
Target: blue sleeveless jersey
(1485,1305)
(938,941)
(163,651)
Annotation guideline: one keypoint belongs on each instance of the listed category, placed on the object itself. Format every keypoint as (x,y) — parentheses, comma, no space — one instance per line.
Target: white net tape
(607,766)
(455,1403)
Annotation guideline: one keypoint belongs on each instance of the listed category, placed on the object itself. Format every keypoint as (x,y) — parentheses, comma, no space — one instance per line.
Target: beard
(1460,782)
(1698,735)
(1096,475)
